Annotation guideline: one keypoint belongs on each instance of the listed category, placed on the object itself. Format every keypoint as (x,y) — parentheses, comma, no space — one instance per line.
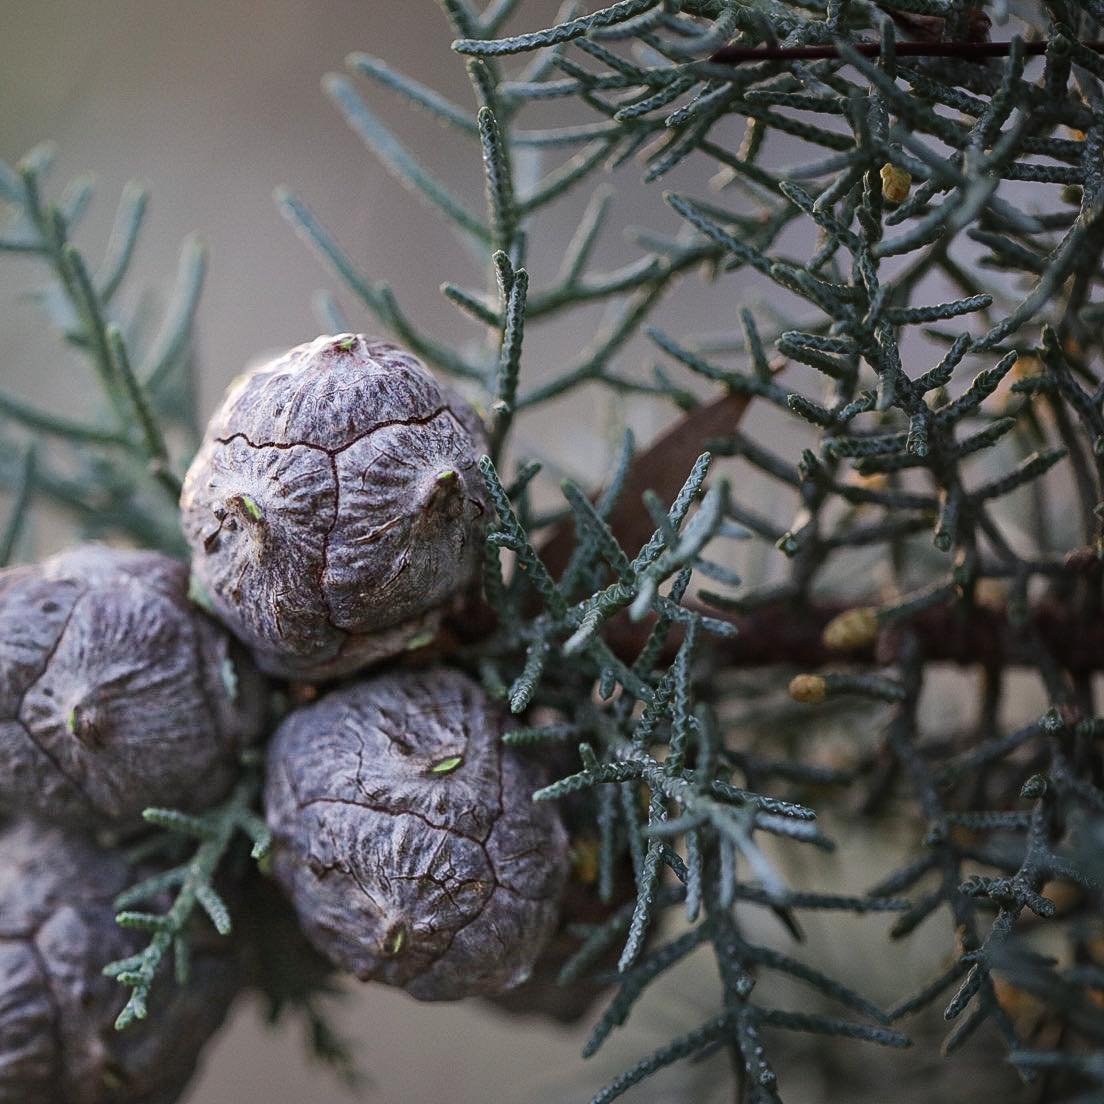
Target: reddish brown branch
(661,467)
(790,634)
(966,51)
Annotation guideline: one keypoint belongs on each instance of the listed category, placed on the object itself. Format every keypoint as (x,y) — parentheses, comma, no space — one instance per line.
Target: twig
(966,51)
(24,488)
(789,633)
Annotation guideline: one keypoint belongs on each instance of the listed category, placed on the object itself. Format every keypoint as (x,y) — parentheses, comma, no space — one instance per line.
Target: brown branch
(790,634)
(661,467)
(965,51)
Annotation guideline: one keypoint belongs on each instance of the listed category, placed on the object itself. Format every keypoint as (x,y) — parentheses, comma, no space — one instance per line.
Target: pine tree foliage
(120,453)
(193,884)
(942,435)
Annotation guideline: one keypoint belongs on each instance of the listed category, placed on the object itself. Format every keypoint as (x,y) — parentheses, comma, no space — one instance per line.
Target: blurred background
(214,104)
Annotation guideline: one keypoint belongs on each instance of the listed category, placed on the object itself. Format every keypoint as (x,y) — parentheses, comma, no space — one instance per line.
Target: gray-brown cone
(58,1043)
(116,693)
(335,507)
(406,838)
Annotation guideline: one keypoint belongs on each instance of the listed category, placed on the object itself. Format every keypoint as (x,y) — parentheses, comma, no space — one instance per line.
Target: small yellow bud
(1024,1008)
(991,593)
(1065,895)
(895,183)
(584,861)
(874,481)
(809,689)
(963,945)
(854,628)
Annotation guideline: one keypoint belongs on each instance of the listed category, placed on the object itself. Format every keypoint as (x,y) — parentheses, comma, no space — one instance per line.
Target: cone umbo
(335,506)
(406,837)
(116,692)
(58,1044)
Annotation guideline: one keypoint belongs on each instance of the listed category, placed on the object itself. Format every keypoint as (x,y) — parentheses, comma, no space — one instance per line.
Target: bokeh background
(212,105)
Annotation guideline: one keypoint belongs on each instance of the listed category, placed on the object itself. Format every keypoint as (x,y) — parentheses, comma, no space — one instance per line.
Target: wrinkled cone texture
(116,693)
(406,837)
(335,507)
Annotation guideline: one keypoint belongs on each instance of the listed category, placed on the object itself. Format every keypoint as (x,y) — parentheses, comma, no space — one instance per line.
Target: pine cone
(405,836)
(335,508)
(116,693)
(58,1043)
